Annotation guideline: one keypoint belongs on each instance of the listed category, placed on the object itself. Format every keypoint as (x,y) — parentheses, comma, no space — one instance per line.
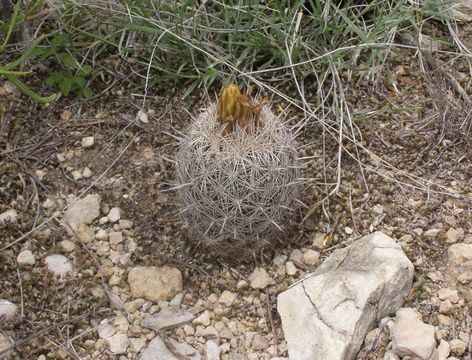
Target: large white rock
(327,314)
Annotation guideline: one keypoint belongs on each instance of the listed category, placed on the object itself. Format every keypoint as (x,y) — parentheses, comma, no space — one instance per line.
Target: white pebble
(25,258)
(290,268)
(88,141)
(58,264)
(114,215)
(67,246)
(8,310)
(77,175)
(9,216)
(87,173)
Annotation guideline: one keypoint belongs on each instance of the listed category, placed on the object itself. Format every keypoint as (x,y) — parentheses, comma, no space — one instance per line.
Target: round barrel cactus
(237,173)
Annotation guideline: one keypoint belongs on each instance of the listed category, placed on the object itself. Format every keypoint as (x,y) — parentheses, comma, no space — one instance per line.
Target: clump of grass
(204,42)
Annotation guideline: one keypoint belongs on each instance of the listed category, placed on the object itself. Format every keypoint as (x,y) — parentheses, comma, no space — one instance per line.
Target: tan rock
(155,283)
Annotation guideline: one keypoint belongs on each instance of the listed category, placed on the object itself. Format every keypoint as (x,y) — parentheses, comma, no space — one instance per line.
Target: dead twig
(271,322)
(49,329)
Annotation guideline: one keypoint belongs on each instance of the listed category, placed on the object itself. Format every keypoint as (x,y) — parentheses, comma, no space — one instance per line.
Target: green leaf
(68,60)
(65,85)
(80,81)
(53,78)
(87,93)
(59,39)
(85,70)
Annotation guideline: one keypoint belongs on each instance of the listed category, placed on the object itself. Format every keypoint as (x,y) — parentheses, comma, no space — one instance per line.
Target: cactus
(237,173)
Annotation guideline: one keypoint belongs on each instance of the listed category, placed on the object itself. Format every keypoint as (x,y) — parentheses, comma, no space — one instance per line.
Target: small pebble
(8,310)
(67,245)
(9,216)
(290,268)
(377,209)
(87,173)
(311,257)
(58,264)
(88,141)
(101,235)
(114,214)
(77,174)
(448,294)
(25,258)
(227,298)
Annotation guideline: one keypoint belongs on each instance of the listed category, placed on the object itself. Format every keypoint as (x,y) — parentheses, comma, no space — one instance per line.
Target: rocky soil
(95,263)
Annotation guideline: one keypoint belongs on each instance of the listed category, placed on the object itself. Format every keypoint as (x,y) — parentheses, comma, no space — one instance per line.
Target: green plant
(71,78)
(8,71)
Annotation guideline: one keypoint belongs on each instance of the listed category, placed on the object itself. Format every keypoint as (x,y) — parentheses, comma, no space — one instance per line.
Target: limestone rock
(58,264)
(227,298)
(157,350)
(443,350)
(203,319)
(8,310)
(168,318)
(67,246)
(448,294)
(290,268)
(412,337)
(136,344)
(311,257)
(5,342)
(212,351)
(83,211)
(259,342)
(460,261)
(106,330)
(186,350)
(25,258)
(457,346)
(389,355)
(114,214)
(9,216)
(88,141)
(259,278)
(118,343)
(155,283)
(327,314)
(454,235)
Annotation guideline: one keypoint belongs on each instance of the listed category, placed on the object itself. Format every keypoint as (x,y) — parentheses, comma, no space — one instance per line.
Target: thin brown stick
(271,322)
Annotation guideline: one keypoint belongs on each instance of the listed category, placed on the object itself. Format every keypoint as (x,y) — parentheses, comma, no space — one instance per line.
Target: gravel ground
(70,292)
